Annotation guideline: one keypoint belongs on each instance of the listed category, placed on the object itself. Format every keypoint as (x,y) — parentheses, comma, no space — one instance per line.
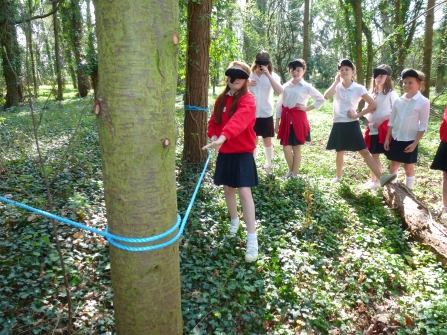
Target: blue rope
(113,238)
(195,108)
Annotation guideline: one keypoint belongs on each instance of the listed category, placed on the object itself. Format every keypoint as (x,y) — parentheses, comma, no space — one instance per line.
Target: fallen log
(422,223)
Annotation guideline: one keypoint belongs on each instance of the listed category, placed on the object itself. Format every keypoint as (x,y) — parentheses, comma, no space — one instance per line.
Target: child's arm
(319,100)
(413,145)
(331,90)
(278,111)
(372,105)
(277,88)
(423,122)
(386,145)
(216,143)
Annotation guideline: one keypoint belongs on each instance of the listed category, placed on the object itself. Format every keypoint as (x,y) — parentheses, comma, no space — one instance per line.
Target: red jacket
(238,129)
(443,129)
(299,122)
(383,129)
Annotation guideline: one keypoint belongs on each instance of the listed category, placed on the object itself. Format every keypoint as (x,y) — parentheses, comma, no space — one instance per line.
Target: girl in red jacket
(440,160)
(230,129)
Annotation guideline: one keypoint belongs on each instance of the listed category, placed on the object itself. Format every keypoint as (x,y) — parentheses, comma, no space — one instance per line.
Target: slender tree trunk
(197,69)
(441,68)
(137,131)
(306,29)
(358,16)
(58,65)
(428,46)
(369,53)
(29,30)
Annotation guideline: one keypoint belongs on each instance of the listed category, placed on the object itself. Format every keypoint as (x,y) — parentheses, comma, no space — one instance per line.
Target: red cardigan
(238,129)
(383,129)
(299,122)
(443,128)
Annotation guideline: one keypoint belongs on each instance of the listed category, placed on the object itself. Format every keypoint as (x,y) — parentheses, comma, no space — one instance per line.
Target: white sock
(268,155)
(409,181)
(252,238)
(255,153)
(234,221)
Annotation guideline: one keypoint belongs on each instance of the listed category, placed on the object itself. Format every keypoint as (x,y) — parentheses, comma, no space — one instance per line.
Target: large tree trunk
(10,53)
(306,29)
(58,65)
(137,131)
(418,219)
(197,70)
(358,16)
(428,46)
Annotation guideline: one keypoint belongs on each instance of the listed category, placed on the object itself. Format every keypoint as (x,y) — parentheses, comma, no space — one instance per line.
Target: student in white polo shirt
(346,134)
(263,82)
(407,125)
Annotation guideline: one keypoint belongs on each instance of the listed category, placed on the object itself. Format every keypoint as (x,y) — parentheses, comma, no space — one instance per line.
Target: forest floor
(334,259)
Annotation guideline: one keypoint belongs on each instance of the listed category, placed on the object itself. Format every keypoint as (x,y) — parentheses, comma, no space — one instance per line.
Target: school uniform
(235,165)
(294,128)
(409,116)
(440,160)
(346,134)
(263,92)
(375,137)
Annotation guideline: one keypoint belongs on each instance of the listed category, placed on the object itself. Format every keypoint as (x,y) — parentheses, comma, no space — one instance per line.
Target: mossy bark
(137,62)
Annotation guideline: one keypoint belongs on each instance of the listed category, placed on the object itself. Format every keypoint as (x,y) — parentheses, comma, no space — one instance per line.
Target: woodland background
(334,259)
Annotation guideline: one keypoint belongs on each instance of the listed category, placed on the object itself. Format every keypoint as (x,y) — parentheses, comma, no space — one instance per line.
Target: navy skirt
(292,140)
(346,136)
(440,160)
(264,127)
(236,170)
(376,147)
(397,154)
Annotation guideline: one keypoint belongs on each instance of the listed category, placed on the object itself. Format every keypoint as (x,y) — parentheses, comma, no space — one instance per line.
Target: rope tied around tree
(113,239)
(196,108)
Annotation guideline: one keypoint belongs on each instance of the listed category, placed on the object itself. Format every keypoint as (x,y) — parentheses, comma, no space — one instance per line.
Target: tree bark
(10,53)
(428,46)
(358,16)
(197,77)
(419,220)
(306,29)
(137,131)
(58,65)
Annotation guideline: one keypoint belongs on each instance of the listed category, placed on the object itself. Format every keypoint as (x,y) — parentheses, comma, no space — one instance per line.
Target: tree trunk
(137,131)
(196,90)
(29,31)
(58,65)
(428,46)
(358,16)
(420,221)
(369,52)
(306,29)
(9,50)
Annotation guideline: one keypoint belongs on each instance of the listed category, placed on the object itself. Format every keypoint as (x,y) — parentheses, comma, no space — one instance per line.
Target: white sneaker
(367,186)
(335,180)
(234,228)
(288,175)
(375,185)
(251,253)
(386,178)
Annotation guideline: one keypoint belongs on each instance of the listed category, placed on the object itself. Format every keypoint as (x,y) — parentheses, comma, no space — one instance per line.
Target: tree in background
(58,61)
(10,53)
(137,130)
(197,79)
(428,45)
(441,55)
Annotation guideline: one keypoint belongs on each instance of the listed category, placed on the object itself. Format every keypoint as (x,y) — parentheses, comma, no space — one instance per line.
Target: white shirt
(347,99)
(385,103)
(409,116)
(263,92)
(298,94)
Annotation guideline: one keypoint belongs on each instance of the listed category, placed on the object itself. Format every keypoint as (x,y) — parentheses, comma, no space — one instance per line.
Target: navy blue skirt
(346,136)
(236,170)
(376,147)
(440,160)
(397,154)
(292,140)
(264,127)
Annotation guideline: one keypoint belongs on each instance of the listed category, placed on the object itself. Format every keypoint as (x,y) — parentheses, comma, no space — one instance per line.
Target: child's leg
(409,175)
(268,148)
(230,198)
(339,160)
(288,155)
(394,167)
(369,160)
(376,158)
(444,189)
(248,207)
(296,159)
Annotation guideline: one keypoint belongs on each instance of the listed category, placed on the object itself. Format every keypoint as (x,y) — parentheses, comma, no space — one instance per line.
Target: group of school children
(244,110)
